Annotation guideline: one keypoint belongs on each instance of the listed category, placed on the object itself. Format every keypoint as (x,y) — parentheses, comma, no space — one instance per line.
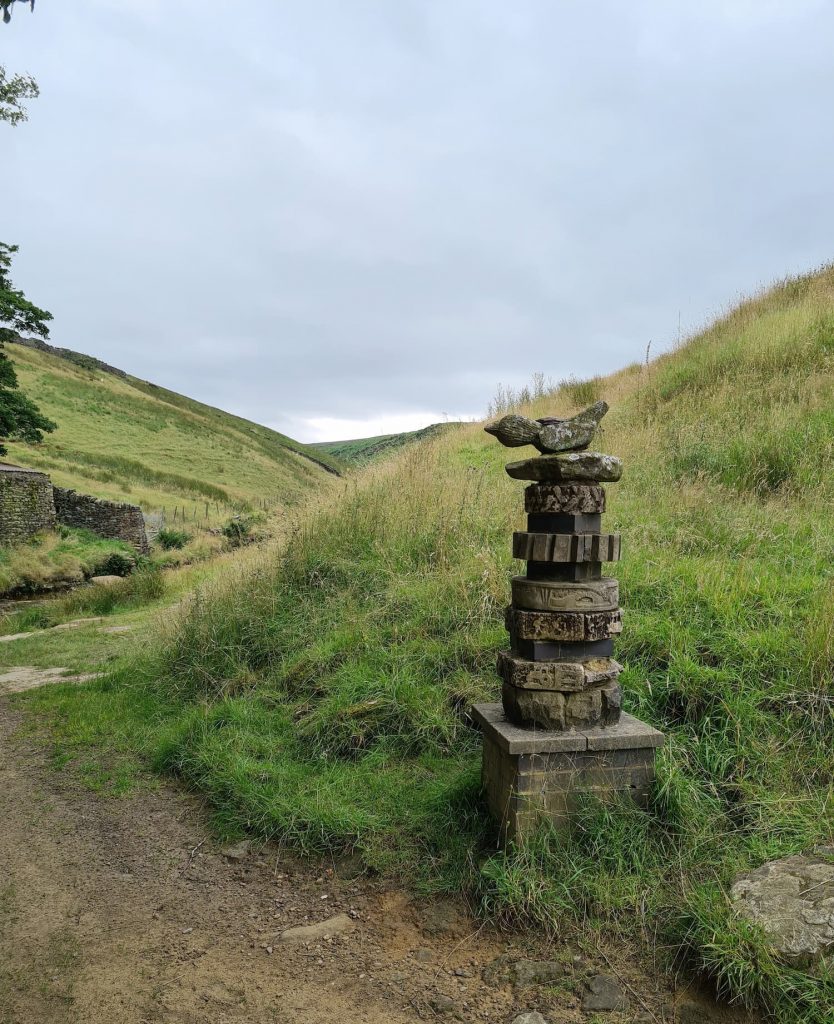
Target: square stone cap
(629,734)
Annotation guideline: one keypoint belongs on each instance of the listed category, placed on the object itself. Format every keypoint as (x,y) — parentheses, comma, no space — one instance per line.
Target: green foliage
(20,418)
(170,538)
(146,585)
(15,89)
(238,530)
(116,563)
(580,393)
(65,557)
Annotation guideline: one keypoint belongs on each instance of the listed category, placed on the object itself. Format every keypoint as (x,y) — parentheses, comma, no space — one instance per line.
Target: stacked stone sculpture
(559,730)
(560,673)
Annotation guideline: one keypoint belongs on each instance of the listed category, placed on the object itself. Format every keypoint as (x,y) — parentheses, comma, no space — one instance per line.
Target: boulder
(792,900)
(605,992)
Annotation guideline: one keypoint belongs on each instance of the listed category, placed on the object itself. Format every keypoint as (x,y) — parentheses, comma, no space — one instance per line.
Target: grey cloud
(320,209)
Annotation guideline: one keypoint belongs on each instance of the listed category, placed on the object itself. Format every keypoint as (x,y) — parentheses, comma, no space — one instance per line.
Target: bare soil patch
(126,910)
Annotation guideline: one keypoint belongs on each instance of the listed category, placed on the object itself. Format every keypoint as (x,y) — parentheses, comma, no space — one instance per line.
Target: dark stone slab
(564,522)
(569,572)
(549,650)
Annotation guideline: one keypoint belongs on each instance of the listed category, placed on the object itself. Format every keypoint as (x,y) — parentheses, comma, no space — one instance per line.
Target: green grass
(326,708)
(124,439)
(67,556)
(361,451)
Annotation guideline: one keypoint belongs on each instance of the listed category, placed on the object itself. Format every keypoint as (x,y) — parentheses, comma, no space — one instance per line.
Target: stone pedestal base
(530,774)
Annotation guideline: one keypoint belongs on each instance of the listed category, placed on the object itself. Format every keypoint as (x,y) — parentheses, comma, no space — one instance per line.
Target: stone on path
(573,466)
(792,900)
(604,993)
(106,581)
(29,677)
(337,925)
(534,1017)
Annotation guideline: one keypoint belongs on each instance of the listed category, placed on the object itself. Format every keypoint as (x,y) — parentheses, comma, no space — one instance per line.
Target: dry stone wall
(106,518)
(26,503)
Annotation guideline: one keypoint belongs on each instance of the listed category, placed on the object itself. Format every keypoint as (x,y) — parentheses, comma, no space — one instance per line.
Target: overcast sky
(339,217)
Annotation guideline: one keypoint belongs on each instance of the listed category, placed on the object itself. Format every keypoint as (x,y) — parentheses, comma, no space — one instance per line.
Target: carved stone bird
(550,434)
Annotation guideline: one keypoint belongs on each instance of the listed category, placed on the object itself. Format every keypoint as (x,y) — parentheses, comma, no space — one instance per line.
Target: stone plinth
(530,774)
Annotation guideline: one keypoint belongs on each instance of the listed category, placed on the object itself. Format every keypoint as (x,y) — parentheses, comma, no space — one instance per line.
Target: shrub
(170,538)
(237,531)
(117,563)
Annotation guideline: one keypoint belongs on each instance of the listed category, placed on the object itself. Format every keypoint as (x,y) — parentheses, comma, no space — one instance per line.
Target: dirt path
(124,910)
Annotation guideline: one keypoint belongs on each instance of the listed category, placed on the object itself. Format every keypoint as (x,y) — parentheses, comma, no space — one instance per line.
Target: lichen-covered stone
(792,900)
(551,709)
(556,675)
(515,431)
(572,434)
(563,626)
(584,499)
(570,466)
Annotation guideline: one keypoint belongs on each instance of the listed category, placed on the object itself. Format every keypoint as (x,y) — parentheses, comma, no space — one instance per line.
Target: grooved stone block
(601,595)
(572,498)
(567,547)
(556,675)
(530,625)
(532,774)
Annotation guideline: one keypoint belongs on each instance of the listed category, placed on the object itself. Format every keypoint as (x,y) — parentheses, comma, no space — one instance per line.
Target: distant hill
(126,439)
(362,450)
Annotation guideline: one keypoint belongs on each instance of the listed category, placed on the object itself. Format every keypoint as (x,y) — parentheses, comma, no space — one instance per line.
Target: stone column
(560,731)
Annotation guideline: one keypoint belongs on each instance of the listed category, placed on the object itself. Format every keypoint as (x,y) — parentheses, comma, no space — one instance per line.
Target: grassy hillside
(127,440)
(328,709)
(363,450)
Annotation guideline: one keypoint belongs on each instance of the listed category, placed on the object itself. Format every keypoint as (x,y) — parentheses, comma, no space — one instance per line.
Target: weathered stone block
(556,675)
(524,786)
(532,625)
(551,709)
(567,547)
(545,708)
(570,498)
(568,467)
(587,596)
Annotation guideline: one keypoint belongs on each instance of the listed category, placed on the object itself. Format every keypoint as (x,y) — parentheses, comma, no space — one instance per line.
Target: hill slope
(124,439)
(327,708)
(362,450)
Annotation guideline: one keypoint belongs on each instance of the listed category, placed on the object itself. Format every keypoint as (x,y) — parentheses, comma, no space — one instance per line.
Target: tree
(20,418)
(7,8)
(12,91)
